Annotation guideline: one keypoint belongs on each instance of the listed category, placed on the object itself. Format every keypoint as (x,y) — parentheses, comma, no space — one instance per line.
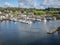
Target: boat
(38,19)
(45,20)
(13,19)
(25,21)
(52,31)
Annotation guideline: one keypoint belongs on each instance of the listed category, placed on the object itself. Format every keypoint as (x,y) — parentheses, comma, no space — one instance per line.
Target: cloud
(8,4)
(35,4)
(43,3)
(50,3)
(27,3)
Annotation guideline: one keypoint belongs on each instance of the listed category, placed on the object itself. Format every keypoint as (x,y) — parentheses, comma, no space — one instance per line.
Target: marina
(25,19)
(29,22)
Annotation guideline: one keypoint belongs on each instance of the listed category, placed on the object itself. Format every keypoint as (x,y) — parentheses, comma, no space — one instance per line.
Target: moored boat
(25,21)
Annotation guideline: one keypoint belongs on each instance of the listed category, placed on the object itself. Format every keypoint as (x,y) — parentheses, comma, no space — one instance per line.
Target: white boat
(45,20)
(13,19)
(38,19)
(25,21)
(29,22)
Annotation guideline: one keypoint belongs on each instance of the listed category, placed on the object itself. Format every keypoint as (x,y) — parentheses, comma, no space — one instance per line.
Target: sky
(39,4)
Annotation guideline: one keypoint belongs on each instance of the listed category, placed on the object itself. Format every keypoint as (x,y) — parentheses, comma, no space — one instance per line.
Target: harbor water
(15,33)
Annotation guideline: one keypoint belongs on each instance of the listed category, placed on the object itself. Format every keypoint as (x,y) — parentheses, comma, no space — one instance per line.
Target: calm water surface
(15,33)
